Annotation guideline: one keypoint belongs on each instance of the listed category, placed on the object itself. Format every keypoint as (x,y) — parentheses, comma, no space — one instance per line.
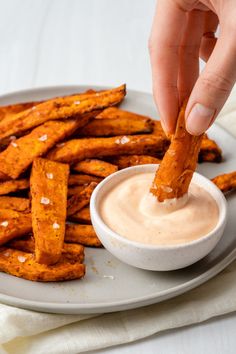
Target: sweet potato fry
(9,110)
(74,190)
(23,265)
(48,186)
(176,169)
(80,149)
(18,204)
(9,213)
(14,226)
(82,234)
(82,216)
(60,108)
(115,112)
(38,142)
(73,252)
(133,160)
(81,179)
(226,182)
(209,151)
(25,244)
(80,200)
(95,167)
(13,186)
(117,126)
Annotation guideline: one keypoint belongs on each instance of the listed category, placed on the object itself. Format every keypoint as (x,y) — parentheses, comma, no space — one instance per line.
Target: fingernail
(167,129)
(164,127)
(199,119)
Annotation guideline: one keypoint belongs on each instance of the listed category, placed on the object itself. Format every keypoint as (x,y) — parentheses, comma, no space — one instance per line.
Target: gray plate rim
(138,302)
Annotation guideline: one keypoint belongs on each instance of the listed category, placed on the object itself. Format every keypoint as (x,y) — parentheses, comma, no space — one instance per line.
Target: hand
(182,31)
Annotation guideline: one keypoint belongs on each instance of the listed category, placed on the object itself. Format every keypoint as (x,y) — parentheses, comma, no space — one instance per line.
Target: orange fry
(12,226)
(82,216)
(18,204)
(60,108)
(209,151)
(48,186)
(115,112)
(13,186)
(83,234)
(133,160)
(118,126)
(82,179)
(22,264)
(178,165)
(21,152)
(72,252)
(95,167)
(9,110)
(75,190)
(226,182)
(81,149)
(80,200)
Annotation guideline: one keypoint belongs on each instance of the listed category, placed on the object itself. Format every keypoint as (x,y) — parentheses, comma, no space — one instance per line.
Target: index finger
(166,34)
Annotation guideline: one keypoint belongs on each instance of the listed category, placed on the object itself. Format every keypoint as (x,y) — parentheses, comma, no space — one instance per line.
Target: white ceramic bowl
(155,257)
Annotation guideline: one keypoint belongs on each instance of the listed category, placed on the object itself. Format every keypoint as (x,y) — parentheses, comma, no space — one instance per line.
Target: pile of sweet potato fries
(53,154)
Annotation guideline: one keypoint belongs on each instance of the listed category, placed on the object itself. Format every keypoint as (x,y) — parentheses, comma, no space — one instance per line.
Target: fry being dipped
(179,163)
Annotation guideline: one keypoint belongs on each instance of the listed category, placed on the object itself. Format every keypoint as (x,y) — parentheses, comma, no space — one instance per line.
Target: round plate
(110,285)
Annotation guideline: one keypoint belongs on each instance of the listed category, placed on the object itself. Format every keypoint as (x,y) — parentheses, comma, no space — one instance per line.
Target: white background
(57,42)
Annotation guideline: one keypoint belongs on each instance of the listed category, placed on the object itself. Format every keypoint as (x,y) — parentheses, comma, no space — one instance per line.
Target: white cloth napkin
(28,332)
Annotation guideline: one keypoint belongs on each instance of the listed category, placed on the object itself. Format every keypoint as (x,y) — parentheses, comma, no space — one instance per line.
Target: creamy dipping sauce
(133,212)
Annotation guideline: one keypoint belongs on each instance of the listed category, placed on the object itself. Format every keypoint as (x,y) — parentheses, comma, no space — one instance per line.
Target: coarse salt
(6,254)
(56,226)
(60,145)
(14,144)
(49,175)
(45,201)
(43,137)
(12,137)
(4,223)
(77,102)
(124,140)
(21,259)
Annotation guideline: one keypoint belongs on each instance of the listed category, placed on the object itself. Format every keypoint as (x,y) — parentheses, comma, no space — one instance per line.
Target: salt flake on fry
(4,223)
(55,226)
(45,201)
(21,259)
(49,175)
(43,137)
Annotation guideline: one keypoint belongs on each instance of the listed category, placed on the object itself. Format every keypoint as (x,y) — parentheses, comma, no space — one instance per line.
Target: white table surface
(57,42)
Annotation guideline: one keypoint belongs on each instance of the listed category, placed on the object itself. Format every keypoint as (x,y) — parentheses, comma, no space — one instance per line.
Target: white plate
(110,285)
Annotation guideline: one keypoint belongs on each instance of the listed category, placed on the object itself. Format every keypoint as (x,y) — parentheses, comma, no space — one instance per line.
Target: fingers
(165,39)
(189,53)
(213,85)
(208,39)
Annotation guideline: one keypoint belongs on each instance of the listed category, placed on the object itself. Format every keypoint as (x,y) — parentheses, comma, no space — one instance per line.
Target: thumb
(213,86)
